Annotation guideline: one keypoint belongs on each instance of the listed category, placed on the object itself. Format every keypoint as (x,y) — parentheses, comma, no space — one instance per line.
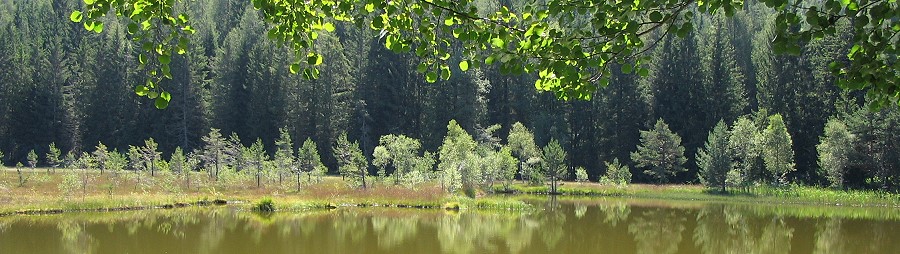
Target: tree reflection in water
(582,226)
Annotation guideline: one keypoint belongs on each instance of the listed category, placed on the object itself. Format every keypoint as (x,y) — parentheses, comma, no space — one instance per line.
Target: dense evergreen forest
(64,85)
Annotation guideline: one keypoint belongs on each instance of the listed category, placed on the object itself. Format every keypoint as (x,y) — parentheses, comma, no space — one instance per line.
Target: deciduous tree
(777,152)
(834,149)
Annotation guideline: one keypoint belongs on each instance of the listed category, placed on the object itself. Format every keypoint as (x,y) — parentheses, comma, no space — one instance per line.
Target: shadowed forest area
(783,119)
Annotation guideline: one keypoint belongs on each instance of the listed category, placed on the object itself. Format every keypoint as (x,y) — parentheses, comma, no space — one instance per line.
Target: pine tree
(309,162)
(776,150)
(834,149)
(177,161)
(284,155)
(554,164)
(234,151)
(256,158)
(53,158)
(351,163)
(660,153)
(713,159)
(32,159)
(214,153)
(150,155)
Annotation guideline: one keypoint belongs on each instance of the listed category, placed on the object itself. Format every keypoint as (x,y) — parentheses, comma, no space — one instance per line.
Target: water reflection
(567,226)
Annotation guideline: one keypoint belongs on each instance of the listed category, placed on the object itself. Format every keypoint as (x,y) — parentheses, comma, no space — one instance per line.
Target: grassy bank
(45,192)
(761,194)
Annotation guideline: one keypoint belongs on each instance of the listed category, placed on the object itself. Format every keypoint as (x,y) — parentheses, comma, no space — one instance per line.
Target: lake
(558,226)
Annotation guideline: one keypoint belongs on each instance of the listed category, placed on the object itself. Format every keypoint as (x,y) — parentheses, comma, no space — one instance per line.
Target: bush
(616,173)
(264,205)
(581,175)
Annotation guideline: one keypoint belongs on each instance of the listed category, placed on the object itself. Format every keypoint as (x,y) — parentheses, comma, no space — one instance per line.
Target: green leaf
(329,27)
(422,68)
(431,77)
(643,72)
(627,68)
(498,42)
(448,22)
(89,2)
(183,18)
(314,59)
(604,82)
(76,16)
(132,28)
(656,16)
(98,28)
(141,90)
(161,103)
(165,59)
(142,58)
(445,73)
(295,68)
(166,96)
(464,65)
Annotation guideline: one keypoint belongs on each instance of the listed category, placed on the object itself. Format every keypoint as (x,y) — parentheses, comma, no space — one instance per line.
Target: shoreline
(43,196)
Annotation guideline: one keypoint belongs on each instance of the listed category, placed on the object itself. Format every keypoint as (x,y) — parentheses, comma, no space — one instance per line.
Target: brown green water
(568,226)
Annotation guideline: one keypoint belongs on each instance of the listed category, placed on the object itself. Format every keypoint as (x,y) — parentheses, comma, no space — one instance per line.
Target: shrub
(581,175)
(264,205)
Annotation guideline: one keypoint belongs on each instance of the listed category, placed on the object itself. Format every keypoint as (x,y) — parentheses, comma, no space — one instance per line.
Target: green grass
(42,195)
(793,194)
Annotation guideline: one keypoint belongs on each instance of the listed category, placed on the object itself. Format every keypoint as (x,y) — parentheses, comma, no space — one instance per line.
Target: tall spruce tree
(713,159)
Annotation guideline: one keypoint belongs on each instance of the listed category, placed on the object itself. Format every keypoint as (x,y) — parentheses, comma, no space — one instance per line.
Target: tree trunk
(363,178)
(258,172)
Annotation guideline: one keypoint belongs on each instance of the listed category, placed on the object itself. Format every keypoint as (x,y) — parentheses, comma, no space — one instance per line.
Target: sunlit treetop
(569,44)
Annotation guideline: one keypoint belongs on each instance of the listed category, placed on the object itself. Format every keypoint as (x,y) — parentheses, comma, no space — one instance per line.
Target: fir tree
(256,158)
(284,155)
(713,159)
(351,163)
(214,153)
(309,162)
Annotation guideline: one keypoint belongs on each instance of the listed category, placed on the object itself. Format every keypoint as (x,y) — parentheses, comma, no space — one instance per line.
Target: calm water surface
(567,226)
